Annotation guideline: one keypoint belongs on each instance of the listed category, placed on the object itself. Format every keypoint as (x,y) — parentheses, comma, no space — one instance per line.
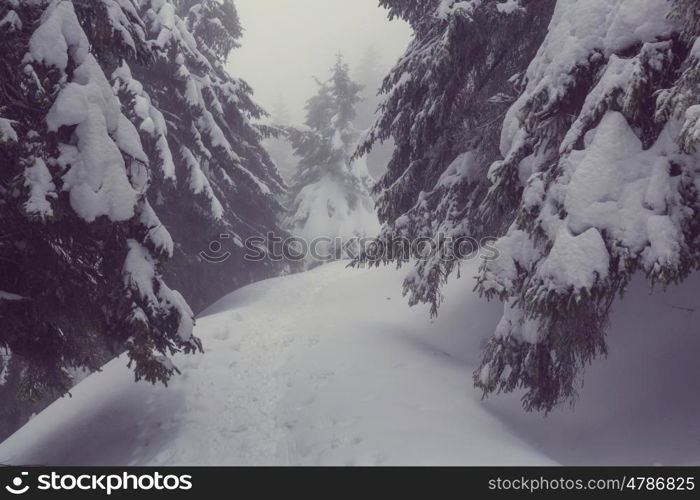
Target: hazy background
(288,42)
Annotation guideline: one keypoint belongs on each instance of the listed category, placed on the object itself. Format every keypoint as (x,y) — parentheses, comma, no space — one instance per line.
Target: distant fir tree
(329,193)
(279,114)
(592,175)
(280,150)
(370,74)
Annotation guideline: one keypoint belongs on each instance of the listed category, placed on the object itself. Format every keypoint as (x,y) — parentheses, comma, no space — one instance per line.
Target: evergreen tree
(280,112)
(592,175)
(279,148)
(329,194)
(121,116)
(212,175)
(599,158)
(82,249)
(369,74)
(445,125)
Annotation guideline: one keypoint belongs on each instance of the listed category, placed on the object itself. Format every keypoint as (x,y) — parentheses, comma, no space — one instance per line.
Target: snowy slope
(332,367)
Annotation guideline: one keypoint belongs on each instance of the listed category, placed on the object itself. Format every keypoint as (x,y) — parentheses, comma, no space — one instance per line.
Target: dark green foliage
(75,308)
(78,291)
(224,182)
(448,95)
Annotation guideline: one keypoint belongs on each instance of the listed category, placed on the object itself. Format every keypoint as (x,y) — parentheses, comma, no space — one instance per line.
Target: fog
(288,42)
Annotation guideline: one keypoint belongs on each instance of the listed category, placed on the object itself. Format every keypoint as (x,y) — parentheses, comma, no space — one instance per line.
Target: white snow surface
(578,29)
(509,6)
(332,367)
(97,179)
(323,209)
(449,7)
(10,296)
(7,131)
(41,187)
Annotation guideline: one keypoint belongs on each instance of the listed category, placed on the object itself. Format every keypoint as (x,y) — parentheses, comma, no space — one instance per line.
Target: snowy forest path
(250,340)
(325,367)
(333,367)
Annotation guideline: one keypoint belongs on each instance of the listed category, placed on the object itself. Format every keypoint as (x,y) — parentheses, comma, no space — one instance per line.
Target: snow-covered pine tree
(593,174)
(83,220)
(280,114)
(212,177)
(446,122)
(329,193)
(81,249)
(600,163)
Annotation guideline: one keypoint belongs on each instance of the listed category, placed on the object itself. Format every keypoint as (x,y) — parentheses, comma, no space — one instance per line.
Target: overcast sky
(288,42)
